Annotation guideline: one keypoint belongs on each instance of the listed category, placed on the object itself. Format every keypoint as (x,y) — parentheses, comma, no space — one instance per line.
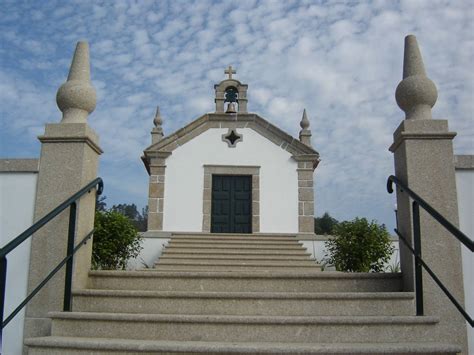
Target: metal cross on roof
(229,71)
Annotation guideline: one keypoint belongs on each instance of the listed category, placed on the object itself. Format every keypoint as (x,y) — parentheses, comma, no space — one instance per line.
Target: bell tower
(231,94)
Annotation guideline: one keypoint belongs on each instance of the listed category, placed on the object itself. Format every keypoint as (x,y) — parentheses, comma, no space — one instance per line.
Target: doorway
(231,204)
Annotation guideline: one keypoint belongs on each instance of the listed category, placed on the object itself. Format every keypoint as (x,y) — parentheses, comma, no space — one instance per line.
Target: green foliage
(100,204)
(139,220)
(115,241)
(324,224)
(359,246)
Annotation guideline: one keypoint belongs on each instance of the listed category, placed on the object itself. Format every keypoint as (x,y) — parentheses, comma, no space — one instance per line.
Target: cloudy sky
(341,60)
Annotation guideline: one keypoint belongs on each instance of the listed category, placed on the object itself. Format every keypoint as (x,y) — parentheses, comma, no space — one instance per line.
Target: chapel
(231,171)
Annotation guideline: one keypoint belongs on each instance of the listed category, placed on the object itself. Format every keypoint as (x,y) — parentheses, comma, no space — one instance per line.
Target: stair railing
(416,249)
(71,202)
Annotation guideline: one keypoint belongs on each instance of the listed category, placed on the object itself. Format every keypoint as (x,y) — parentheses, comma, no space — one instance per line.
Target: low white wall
(185,180)
(17,195)
(153,244)
(465,191)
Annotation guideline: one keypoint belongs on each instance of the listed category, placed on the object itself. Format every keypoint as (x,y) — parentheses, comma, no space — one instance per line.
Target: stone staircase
(240,294)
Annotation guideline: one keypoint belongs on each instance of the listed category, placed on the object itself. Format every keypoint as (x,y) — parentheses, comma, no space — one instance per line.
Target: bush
(358,246)
(115,241)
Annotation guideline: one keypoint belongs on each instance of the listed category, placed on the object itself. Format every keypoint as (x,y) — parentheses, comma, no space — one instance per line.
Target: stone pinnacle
(305,133)
(416,94)
(76,98)
(157,121)
(412,60)
(157,131)
(304,121)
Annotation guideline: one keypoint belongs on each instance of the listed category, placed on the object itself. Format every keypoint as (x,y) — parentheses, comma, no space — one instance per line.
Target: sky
(341,60)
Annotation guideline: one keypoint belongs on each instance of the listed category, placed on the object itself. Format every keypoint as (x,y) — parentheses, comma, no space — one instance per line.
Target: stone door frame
(210,170)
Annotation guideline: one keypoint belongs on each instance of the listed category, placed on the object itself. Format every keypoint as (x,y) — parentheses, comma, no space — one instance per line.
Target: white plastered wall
(465,191)
(17,196)
(183,196)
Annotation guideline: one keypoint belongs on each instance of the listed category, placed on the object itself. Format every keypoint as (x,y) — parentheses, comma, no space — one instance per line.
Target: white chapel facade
(231,171)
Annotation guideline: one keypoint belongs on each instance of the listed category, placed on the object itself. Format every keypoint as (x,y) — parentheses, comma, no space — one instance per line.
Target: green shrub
(115,241)
(359,246)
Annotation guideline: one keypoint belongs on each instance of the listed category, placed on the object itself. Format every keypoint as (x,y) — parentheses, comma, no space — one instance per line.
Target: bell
(231,108)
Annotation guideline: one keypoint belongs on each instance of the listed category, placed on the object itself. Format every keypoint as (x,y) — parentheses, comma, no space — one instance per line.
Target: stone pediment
(168,144)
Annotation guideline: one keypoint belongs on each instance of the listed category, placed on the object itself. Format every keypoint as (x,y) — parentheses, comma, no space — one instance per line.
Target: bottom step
(72,346)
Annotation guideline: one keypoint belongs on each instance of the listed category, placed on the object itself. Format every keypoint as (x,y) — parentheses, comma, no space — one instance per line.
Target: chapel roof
(231,92)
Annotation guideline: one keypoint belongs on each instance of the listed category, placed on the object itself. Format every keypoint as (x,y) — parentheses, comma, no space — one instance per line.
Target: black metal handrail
(435,214)
(416,250)
(71,202)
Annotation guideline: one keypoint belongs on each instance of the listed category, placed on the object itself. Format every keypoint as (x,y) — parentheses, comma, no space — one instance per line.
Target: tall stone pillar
(305,181)
(69,160)
(424,160)
(156,191)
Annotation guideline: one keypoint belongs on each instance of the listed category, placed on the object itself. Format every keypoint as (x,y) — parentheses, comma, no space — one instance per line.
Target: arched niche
(220,98)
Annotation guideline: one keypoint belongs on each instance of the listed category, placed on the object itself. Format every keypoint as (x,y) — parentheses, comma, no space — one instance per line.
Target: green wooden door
(231,204)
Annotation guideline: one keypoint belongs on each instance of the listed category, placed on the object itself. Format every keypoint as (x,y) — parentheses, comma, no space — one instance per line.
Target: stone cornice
(19,165)
(403,136)
(247,120)
(313,158)
(72,139)
(464,162)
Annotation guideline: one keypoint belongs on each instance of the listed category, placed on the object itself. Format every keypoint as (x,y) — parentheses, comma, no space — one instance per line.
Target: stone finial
(157,131)
(305,133)
(416,94)
(76,98)
(158,121)
(304,120)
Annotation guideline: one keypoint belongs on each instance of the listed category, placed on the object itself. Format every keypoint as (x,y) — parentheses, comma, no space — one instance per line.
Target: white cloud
(341,61)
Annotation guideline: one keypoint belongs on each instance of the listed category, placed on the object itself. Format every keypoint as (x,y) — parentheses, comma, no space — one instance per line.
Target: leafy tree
(100,204)
(143,225)
(359,246)
(138,219)
(115,241)
(324,224)
(127,210)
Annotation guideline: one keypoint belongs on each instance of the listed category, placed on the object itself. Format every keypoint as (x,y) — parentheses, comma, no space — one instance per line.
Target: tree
(100,204)
(324,224)
(143,220)
(115,241)
(131,212)
(359,246)
(127,210)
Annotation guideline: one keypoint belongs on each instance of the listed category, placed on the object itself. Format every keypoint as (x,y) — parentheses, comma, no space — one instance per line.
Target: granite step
(234,241)
(304,329)
(178,251)
(240,250)
(234,244)
(245,303)
(235,267)
(255,257)
(256,281)
(235,262)
(222,246)
(234,237)
(107,346)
